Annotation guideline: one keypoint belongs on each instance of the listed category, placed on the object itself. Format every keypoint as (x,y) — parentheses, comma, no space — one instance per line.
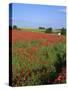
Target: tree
(49,30)
(14,27)
(63,31)
(41,27)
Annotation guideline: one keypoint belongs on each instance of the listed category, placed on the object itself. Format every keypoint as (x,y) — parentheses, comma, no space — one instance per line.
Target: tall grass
(36,66)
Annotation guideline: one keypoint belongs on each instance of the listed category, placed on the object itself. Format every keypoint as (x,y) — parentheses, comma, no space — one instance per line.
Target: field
(38,58)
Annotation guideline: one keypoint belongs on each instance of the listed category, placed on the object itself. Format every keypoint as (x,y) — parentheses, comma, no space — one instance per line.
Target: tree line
(50,30)
(46,30)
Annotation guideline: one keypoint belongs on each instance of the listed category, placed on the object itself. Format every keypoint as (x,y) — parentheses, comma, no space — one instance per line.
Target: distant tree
(63,31)
(49,30)
(14,27)
(41,27)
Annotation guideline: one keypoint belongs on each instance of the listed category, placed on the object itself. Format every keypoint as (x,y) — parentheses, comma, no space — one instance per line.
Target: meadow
(38,58)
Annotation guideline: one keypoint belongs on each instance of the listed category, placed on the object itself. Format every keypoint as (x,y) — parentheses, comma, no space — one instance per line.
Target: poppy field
(38,58)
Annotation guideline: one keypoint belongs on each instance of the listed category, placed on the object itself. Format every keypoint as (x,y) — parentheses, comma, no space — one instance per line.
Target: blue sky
(33,16)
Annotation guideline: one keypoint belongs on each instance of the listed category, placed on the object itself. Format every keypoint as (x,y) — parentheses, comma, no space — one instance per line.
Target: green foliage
(41,27)
(63,31)
(37,67)
(26,44)
(14,27)
(48,30)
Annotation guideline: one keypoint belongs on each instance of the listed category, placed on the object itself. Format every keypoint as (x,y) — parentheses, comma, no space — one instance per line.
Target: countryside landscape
(38,45)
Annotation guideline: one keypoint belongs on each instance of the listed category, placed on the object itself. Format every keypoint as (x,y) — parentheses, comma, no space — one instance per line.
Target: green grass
(27,43)
(43,63)
(33,30)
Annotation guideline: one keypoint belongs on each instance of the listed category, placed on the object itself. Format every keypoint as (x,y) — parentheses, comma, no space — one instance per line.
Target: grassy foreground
(35,64)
